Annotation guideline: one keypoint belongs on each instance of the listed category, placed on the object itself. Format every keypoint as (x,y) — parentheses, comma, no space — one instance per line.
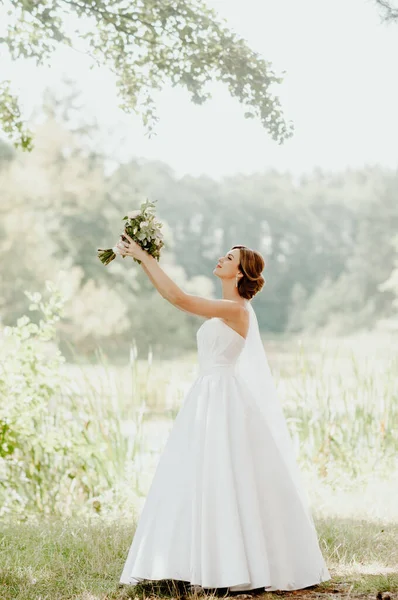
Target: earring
(236,281)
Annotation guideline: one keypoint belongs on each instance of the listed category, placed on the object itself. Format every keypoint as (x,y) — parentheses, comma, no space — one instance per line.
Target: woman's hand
(129,247)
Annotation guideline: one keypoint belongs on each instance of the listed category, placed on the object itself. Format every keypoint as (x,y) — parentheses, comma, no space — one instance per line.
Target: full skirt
(222,510)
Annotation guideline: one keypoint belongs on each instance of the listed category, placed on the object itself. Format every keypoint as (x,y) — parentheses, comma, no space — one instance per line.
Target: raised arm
(168,289)
(197,305)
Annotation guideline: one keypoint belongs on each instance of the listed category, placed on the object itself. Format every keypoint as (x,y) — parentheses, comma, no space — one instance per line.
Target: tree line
(329,241)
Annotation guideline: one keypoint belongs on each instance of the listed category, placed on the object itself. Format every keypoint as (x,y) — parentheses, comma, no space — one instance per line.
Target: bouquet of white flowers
(143,227)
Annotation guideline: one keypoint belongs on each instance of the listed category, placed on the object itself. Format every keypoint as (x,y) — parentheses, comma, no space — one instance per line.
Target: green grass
(83,559)
(340,397)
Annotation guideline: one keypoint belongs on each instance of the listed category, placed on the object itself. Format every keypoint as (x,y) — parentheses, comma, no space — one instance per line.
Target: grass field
(82,560)
(341,401)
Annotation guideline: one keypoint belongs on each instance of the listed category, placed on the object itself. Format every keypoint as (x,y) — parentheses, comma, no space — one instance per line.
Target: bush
(54,452)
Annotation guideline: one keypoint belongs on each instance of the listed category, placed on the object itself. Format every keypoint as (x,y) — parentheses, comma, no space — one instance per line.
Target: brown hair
(251,264)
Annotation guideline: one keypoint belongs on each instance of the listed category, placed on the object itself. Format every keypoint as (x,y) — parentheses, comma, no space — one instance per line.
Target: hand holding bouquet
(141,234)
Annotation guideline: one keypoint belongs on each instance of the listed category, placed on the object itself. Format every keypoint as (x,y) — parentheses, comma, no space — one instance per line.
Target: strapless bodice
(219,347)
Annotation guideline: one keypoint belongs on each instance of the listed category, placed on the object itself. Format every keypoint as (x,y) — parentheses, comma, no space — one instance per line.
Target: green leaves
(147,45)
(11,120)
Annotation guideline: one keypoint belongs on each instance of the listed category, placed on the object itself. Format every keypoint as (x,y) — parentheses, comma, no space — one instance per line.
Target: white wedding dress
(223,510)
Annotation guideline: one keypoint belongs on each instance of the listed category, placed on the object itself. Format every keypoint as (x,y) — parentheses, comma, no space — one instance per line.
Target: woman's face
(228,265)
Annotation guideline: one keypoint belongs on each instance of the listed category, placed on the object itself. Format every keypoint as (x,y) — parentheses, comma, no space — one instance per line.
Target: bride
(226,508)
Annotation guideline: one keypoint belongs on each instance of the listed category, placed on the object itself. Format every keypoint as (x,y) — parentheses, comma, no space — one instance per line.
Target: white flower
(144,224)
(133,213)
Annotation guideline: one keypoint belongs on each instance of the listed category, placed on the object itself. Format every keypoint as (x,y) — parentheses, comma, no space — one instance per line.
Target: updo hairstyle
(251,265)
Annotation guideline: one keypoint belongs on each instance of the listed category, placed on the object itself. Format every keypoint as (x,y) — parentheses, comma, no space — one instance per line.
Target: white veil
(252,365)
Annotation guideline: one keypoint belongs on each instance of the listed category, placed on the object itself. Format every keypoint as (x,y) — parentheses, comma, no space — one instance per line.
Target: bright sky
(341,91)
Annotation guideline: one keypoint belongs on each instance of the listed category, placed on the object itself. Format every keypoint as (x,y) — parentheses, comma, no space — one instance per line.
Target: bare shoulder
(241,323)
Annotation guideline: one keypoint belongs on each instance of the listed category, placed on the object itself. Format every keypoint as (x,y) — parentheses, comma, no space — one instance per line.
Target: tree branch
(390,13)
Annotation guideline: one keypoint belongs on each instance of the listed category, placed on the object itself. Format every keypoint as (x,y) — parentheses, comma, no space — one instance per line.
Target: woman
(226,508)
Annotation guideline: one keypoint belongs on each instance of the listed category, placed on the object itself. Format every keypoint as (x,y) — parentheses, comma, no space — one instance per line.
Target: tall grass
(78,438)
(342,409)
